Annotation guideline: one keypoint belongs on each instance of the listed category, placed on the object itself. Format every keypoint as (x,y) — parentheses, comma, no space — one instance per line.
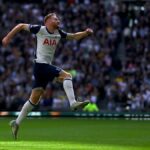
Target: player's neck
(51,29)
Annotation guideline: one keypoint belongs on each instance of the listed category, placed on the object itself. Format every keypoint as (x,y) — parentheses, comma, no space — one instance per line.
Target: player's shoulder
(43,27)
(62,33)
(34,28)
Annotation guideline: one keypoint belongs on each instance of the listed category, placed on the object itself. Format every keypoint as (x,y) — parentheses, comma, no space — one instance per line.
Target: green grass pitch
(77,134)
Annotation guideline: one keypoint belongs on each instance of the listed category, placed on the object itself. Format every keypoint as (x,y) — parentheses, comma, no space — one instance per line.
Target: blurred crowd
(111,67)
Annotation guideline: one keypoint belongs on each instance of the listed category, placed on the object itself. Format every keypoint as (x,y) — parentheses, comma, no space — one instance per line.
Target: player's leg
(30,104)
(27,107)
(39,85)
(68,87)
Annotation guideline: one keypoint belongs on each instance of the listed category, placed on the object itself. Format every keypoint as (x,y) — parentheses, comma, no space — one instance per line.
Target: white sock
(27,107)
(68,87)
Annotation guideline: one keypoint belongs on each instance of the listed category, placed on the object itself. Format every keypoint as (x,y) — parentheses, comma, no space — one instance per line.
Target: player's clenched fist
(89,31)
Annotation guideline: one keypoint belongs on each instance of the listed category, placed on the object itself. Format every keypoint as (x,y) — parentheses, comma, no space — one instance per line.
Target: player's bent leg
(68,87)
(27,107)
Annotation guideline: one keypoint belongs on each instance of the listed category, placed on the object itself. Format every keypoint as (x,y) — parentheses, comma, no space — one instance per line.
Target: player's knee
(68,76)
(65,75)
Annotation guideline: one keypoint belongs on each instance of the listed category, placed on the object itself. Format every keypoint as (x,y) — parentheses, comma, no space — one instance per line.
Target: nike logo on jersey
(51,42)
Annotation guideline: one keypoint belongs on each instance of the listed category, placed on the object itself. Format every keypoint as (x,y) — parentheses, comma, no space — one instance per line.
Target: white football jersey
(46,42)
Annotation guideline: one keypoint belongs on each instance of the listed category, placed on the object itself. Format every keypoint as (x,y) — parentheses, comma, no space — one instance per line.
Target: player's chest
(52,40)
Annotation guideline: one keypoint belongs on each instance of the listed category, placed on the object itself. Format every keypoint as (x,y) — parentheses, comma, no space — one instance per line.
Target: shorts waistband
(35,61)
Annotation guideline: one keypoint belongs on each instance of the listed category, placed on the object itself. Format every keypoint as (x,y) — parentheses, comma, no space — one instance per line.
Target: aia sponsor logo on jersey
(51,42)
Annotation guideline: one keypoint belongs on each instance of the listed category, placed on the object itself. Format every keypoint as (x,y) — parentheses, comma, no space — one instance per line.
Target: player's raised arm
(80,35)
(6,40)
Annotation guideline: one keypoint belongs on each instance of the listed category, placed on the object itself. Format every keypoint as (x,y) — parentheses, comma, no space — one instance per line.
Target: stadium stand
(112,67)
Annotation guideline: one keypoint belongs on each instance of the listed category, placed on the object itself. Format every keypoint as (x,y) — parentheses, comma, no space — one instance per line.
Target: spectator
(116,59)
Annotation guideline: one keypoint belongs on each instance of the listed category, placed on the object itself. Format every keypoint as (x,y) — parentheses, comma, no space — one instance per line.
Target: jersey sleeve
(63,34)
(34,28)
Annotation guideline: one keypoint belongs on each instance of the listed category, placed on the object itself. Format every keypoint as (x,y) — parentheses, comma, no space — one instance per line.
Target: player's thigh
(36,94)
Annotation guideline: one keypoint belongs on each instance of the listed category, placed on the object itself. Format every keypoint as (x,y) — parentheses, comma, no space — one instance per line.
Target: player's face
(54,21)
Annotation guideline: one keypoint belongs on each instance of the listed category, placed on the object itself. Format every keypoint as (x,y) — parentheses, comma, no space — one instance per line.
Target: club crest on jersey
(51,42)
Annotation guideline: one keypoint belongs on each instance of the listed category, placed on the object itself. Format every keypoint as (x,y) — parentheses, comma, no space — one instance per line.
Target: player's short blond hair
(49,16)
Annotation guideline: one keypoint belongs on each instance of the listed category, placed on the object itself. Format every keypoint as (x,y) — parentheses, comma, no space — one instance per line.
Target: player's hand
(89,31)
(5,41)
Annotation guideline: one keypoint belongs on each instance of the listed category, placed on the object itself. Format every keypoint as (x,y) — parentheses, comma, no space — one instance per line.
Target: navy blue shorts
(44,73)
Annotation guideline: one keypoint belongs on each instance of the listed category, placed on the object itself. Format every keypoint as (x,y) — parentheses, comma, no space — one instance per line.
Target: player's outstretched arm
(80,35)
(6,40)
